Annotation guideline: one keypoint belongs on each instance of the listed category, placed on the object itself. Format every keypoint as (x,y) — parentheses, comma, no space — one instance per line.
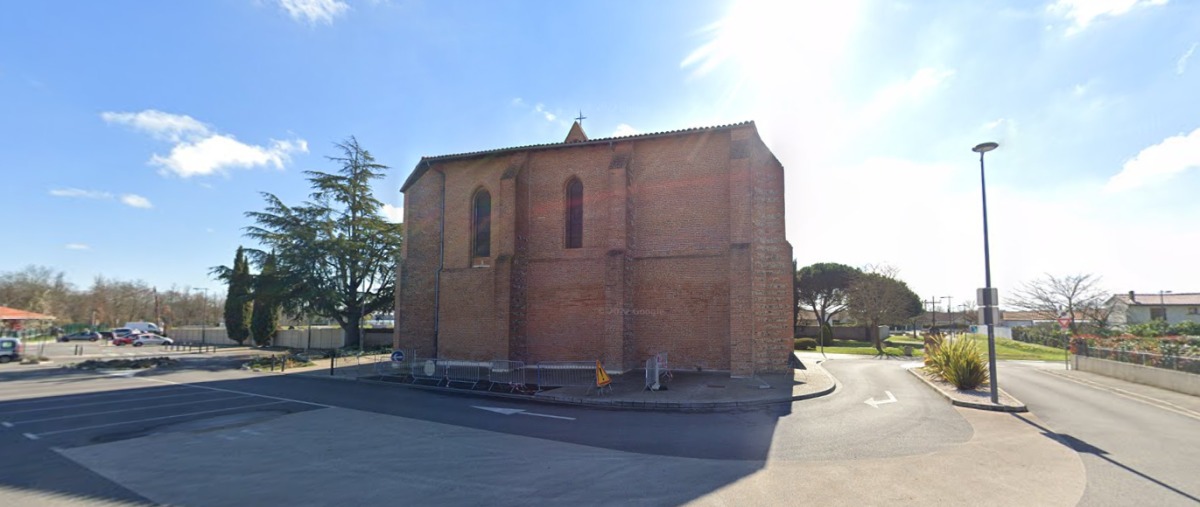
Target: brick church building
(611,249)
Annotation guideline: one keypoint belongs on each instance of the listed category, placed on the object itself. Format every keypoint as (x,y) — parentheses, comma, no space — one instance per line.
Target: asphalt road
(62,427)
(53,411)
(1138,444)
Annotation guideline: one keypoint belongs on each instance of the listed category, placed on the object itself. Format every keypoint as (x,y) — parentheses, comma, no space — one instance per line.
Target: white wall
(322,337)
(1175,314)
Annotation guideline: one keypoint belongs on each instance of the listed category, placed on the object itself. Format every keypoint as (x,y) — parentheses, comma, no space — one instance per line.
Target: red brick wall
(683,252)
(418,266)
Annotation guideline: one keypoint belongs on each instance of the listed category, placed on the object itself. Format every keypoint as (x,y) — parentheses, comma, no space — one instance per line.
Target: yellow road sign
(602,378)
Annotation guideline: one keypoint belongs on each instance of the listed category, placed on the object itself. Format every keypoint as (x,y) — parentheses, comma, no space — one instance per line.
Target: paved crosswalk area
(70,410)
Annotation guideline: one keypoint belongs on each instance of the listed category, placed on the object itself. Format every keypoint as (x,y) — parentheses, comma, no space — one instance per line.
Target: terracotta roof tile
(419,170)
(7,313)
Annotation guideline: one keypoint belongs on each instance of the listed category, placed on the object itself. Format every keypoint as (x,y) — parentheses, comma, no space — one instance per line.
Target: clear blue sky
(135,134)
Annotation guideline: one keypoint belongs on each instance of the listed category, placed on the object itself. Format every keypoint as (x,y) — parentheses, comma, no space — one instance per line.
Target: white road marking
(152,407)
(69,430)
(872,402)
(6,424)
(76,405)
(233,391)
(31,436)
(511,411)
(498,410)
(547,415)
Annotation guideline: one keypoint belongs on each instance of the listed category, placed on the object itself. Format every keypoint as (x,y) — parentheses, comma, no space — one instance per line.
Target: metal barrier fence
(566,374)
(509,374)
(515,376)
(386,367)
(202,348)
(425,369)
(657,369)
(466,372)
(1177,363)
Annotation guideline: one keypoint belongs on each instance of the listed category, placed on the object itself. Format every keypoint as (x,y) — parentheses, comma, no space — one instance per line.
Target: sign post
(1065,323)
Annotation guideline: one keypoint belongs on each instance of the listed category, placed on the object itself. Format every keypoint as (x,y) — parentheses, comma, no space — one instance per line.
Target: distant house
(1133,308)
(1026,318)
(14,319)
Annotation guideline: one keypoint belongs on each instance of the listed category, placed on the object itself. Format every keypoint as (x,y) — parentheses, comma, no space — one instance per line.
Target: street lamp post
(981,149)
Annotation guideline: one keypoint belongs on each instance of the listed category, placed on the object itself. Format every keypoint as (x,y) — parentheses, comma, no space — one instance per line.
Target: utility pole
(950,312)
(932,303)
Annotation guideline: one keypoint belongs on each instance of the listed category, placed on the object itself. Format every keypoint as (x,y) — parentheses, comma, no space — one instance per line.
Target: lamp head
(985,147)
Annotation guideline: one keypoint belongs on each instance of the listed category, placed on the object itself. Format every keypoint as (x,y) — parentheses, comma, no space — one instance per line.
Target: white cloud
(1181,65)
(1158,163)
(199,150)
(517,102)
(160,125)
(624,129)
(76,192)
(136,201)
(546,114)
(219,153)
(314,11)
(393,214)
(922,83)
(78,246)
(1083,12)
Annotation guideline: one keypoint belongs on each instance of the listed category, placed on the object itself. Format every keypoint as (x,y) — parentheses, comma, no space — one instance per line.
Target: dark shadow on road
(730,446)
(1083,447)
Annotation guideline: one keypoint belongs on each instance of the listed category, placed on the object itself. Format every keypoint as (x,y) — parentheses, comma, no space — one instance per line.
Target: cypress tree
(237,301)
(265,322)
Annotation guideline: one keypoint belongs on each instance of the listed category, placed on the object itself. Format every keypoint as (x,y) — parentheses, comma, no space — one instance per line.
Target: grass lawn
(1005,349)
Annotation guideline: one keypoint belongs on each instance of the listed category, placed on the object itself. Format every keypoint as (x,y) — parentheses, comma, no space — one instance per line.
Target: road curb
(1020,407)
(599,403)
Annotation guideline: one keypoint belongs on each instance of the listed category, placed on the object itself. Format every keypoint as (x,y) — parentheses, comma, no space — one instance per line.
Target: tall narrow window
(574,213)
(481,224)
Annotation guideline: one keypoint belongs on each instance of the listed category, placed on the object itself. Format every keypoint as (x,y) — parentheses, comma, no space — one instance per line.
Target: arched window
(574,217)
(481,224)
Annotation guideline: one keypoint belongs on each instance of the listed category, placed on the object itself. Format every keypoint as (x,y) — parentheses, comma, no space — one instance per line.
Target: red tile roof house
(14,319)
(1133,308)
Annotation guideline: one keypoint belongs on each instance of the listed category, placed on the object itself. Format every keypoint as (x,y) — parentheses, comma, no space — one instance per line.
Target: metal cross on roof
(581,118)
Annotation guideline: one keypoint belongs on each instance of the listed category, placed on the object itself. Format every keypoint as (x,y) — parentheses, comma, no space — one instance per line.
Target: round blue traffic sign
(398,356)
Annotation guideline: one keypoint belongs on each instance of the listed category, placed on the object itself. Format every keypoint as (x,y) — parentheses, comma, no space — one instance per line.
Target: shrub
(806,343)
(959,362)
(1187,328)
(1156,327)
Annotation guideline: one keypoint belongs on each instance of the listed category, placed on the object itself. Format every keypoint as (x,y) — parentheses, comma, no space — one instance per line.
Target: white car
(150,339)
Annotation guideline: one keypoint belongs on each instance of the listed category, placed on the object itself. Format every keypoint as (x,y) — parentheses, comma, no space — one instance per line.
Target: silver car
(150,339)
(10,349)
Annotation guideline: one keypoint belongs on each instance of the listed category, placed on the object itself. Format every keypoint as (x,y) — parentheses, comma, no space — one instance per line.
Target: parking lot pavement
(109,407)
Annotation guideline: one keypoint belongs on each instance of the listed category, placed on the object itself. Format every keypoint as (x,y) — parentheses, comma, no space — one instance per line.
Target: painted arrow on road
(871,401)
(511,411)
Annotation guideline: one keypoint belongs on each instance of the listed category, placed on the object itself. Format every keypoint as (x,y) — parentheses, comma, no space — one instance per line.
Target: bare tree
(877,297)
(1066,296)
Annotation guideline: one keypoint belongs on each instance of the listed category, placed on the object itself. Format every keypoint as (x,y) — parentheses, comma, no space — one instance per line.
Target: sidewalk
(685,391)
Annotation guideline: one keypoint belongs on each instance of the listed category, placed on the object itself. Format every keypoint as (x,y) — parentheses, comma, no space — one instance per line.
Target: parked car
(148,327)
(124,336)
(121,332)
(90,336)
(11,349)
(149,339)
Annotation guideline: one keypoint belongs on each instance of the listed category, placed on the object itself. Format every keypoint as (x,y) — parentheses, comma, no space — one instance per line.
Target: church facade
(601,249)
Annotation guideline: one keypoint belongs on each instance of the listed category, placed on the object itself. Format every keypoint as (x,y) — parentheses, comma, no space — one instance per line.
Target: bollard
(332,359)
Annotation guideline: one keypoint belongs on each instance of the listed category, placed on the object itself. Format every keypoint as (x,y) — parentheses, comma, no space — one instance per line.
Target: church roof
(423,165)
